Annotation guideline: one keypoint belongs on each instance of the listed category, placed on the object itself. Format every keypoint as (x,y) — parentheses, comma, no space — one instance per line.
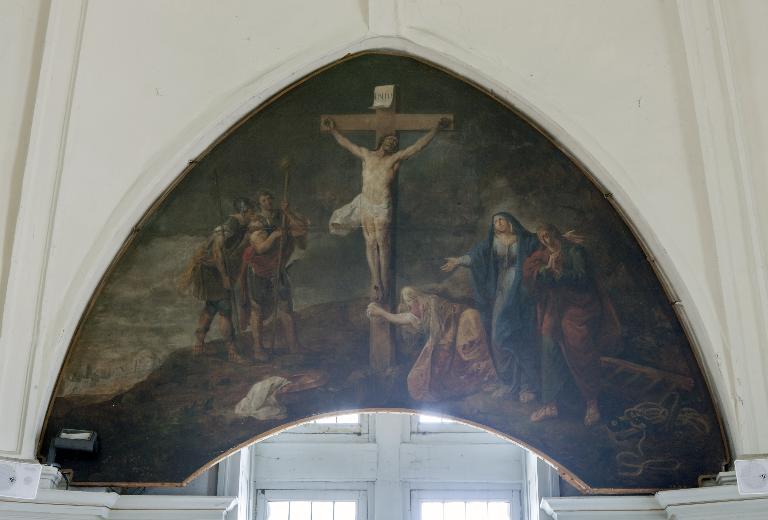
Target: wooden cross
(384,121)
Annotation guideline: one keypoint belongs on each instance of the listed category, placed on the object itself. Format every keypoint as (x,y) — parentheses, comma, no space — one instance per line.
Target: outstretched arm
(359,151)
(452,262)
(422,142)
(403,318)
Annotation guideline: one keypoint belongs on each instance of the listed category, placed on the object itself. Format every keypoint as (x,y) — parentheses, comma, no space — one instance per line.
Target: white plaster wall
(153,83)
(749,48)
(21,23)
(713,41)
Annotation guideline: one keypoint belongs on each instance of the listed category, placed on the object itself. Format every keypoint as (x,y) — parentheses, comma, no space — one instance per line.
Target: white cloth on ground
(261,402)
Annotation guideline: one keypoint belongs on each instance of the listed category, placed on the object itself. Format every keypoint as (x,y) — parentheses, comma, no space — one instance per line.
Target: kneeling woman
(455,360)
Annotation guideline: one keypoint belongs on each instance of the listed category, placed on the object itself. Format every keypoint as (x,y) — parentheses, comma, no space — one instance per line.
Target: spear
(227,266)
(285,166)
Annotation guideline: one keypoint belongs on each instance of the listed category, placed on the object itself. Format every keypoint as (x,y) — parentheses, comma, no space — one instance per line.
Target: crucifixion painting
(373,208)
(495,284)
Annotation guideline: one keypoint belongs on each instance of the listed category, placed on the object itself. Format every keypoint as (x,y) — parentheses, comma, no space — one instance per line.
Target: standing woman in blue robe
(509,312)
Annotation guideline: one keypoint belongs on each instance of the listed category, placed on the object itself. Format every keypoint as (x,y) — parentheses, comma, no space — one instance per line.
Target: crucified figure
(373,207)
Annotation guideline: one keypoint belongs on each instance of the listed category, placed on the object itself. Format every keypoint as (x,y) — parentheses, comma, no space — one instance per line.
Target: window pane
(474,510)
(498,510)
(322,510)
(277,510)
(301,510)
(477,510)
(433,419)
(325,420)
(454,511)
(345,511)
(431,511)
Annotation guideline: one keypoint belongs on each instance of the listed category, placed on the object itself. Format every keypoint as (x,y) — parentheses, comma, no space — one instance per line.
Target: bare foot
(234,356)
(592,416)
(548,411)
(376,294)
(526,396)
(501,391)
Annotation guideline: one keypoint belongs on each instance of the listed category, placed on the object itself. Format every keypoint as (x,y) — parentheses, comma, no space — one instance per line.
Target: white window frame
(456,493)
(312,493)
(455,431)
(309,431)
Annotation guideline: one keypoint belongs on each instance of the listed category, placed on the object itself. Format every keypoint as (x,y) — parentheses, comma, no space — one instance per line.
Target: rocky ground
(182,416)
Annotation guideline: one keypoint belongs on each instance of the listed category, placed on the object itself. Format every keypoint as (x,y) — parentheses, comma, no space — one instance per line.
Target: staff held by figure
(285,166)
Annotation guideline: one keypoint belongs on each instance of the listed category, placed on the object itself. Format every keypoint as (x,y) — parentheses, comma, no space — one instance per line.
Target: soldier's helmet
(242,204)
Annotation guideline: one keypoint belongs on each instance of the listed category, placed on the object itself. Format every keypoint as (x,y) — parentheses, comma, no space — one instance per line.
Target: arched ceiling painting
(471,269)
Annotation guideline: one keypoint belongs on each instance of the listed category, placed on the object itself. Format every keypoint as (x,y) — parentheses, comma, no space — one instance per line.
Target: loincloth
(349,217)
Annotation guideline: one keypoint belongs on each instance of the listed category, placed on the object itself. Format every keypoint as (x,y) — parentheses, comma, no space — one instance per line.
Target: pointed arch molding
(634,412)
